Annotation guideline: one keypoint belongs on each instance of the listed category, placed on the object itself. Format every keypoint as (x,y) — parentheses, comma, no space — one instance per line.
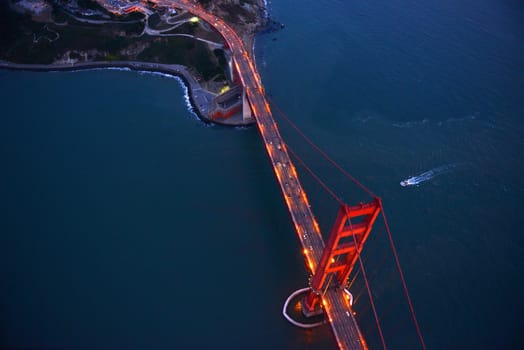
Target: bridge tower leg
(346,241)
(247,115)
(232,76)
(235,76)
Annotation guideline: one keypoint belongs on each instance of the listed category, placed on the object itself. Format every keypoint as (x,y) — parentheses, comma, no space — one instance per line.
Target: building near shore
(226,104)
(39,10)
(120,7)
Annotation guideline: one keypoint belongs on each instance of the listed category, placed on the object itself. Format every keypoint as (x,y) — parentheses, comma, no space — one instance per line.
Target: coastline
(198,97)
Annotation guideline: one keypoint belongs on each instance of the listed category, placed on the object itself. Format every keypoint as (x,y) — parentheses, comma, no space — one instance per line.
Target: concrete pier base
(295,317)
(315,312)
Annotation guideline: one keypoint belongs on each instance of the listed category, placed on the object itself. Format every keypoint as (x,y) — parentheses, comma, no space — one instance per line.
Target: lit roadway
(340,317)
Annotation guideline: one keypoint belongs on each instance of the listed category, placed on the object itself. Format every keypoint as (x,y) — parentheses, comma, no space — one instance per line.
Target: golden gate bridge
(330,262)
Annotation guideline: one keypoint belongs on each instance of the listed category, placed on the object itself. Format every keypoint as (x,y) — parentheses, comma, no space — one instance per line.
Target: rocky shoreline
(197,95)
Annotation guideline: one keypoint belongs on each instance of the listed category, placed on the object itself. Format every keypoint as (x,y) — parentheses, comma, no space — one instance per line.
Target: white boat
(428,175)
(409,182)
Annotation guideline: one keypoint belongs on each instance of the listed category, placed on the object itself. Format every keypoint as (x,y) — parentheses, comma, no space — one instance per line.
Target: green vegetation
(221,57)
(25,41)
(71,36)
(185,51)
(234,13)
(186,28)
(204,64)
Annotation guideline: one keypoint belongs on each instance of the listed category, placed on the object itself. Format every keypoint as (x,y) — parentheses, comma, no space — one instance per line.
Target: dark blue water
(127,223)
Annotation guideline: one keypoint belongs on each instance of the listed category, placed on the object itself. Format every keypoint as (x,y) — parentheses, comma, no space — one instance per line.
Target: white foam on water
(411,124)
(187,100)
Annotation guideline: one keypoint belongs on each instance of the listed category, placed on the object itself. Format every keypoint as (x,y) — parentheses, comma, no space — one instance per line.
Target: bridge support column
(247,115)
(311,304)
(348,236)
(232,76)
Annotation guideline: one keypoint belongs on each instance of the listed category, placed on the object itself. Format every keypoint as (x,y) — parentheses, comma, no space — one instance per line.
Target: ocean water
(127,223)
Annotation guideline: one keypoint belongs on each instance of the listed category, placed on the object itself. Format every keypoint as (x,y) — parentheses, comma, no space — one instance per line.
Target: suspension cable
(369,192)
(319,150)
(358,251)
(402,279)
(326,188)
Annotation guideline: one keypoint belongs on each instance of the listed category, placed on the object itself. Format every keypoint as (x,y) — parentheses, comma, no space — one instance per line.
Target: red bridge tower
(346,241)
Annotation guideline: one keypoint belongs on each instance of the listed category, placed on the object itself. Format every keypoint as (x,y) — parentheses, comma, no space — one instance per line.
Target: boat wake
(426,176)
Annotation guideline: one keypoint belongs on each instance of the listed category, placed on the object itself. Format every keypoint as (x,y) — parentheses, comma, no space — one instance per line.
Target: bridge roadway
(340,317)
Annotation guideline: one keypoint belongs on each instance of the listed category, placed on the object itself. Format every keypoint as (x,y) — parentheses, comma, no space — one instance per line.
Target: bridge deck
(338,312)
(341,319)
